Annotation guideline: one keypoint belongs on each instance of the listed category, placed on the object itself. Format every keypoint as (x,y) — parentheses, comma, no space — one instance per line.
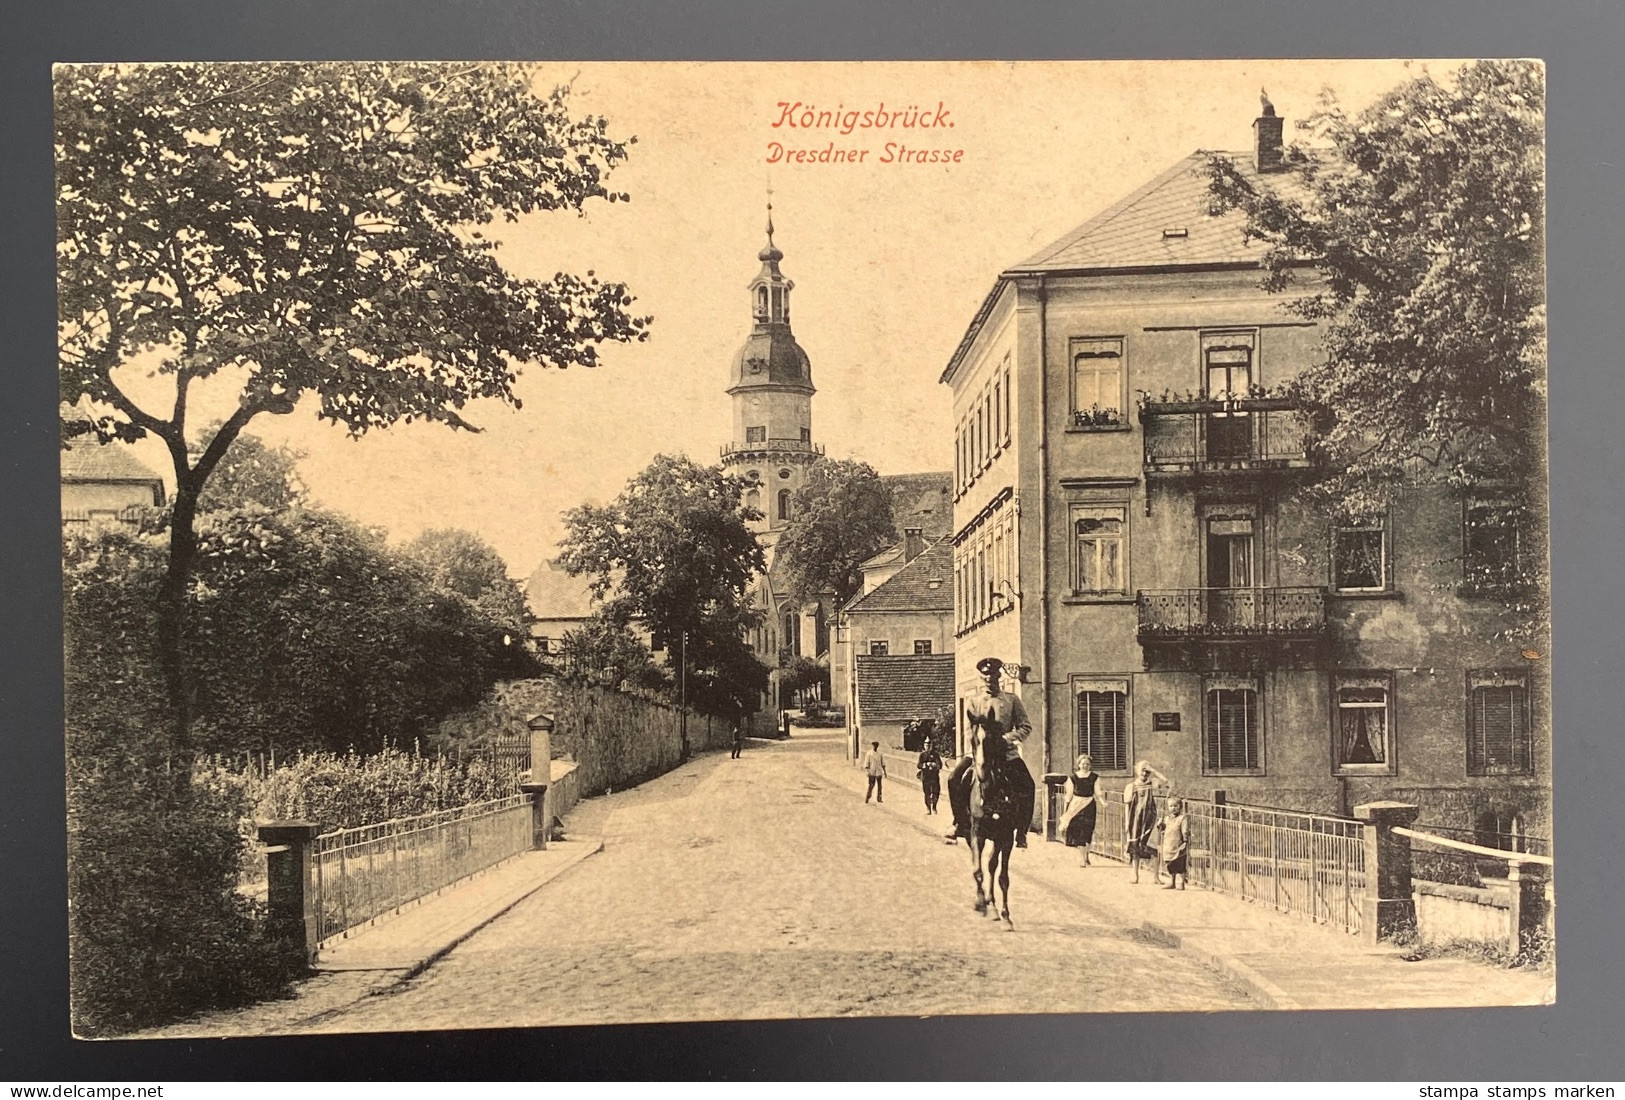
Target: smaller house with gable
(897,638)
(104,482)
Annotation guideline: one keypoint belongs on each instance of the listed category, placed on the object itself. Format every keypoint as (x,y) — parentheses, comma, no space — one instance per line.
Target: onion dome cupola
(771,357)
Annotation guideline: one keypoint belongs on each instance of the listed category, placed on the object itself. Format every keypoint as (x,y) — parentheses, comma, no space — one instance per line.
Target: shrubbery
(305,632)
(156,928)
(341,792)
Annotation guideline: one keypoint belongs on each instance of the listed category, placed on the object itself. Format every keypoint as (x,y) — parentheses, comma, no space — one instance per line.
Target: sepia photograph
(634,542)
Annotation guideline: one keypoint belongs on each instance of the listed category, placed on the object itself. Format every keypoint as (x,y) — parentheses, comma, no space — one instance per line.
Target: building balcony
(1213,436)
(1231,614)
(772,446)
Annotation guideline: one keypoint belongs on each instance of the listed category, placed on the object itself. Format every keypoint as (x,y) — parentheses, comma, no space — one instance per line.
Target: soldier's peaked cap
(989,664)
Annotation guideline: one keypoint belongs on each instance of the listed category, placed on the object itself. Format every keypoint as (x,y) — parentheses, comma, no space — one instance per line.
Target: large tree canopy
(463,562)
(1423,217)
(319,226)
(253,472)
(319,230)
(674,551)
(843,517)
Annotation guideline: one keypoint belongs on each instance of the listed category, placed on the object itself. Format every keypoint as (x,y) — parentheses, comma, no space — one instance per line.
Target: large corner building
(1128,538)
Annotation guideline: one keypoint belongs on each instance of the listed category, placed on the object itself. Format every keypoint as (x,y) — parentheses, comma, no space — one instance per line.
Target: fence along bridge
(1302,864)
(332,883)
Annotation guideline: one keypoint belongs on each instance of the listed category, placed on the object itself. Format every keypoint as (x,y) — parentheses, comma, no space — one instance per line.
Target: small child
(1176,843)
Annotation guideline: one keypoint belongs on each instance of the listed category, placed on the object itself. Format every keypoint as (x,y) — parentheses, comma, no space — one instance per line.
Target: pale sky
(889,262)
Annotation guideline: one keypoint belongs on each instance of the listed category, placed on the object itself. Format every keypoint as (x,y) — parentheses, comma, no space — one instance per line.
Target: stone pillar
(290,894)
(1389,905)
(541,820)
(541,774)
(1527,882)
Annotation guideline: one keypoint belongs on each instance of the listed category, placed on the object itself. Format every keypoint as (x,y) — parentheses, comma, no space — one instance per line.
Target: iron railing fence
(365,872)
(1303,865)
(1306,865)
(800,446)
(1176,613)
(507,754)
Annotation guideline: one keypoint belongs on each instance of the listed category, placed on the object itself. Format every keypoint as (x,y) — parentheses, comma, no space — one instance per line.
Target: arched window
(761,302)
(753,499)
(784,504)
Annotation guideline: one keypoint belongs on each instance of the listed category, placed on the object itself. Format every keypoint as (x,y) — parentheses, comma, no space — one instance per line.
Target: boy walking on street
(874,764)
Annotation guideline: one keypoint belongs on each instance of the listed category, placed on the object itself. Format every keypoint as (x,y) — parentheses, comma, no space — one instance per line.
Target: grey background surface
(1578,1039)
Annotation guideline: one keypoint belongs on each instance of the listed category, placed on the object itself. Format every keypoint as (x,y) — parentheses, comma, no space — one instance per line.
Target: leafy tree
(674,552)
(1423,218)
(605,652)
(843,517)
(462,562)
(252,472)
(156,927)
(309,632)
(798,673)
(316,230)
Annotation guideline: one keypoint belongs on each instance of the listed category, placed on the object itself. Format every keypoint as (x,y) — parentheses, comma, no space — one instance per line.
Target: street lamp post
(682,679)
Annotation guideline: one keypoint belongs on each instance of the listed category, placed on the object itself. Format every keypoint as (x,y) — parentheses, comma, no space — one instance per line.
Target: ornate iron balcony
(1209,436)
(1231,613)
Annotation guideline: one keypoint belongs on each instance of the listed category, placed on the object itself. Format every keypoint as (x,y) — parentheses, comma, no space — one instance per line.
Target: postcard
(553,544)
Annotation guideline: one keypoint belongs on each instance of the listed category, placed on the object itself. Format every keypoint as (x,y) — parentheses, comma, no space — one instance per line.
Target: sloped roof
(84,459)
(924,584)
(554,594)
(1131,232)
(885,557)
(924,501)
(1163,225)
(905,687)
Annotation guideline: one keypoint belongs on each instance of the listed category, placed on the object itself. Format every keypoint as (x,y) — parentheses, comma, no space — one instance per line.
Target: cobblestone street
(763,888)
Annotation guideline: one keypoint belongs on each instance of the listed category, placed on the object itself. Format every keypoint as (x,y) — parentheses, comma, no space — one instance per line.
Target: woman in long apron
(1078,818)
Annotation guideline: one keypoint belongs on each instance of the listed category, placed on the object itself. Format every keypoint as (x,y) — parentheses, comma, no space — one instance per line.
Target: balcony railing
(1231,613)
(1209,436)
(800,446)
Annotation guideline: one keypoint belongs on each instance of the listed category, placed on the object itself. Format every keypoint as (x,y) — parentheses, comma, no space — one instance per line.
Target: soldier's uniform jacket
(1000,716)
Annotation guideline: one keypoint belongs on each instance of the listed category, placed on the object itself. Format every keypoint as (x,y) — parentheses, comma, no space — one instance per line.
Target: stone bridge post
(290,896)
(1389,905)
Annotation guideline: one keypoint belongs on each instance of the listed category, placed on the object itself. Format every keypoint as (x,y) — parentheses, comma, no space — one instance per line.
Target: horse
(985,811)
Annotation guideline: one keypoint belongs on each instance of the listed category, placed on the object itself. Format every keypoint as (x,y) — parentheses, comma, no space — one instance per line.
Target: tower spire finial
(770,253)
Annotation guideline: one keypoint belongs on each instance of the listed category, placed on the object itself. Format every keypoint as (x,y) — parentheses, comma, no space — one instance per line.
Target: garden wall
(617,739)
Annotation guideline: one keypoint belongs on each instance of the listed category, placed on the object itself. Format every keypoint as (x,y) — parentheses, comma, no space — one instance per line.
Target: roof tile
(924,584)
(905,687)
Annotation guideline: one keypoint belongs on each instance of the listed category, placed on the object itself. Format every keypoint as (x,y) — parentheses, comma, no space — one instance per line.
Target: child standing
(1176,843)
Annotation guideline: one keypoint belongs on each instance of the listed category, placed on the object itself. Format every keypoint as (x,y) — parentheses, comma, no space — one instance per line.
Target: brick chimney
(1267,137)
(913,542)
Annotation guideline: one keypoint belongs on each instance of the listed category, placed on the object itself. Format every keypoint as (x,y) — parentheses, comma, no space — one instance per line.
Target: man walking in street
(874,764)
(739,738)
(929,766)
(1004,726)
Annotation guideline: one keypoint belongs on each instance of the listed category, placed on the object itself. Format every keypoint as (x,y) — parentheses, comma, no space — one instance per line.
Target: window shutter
(1232,729)
(1102,725)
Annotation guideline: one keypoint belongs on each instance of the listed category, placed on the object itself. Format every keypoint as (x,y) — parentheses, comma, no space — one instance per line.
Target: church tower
(771,385)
